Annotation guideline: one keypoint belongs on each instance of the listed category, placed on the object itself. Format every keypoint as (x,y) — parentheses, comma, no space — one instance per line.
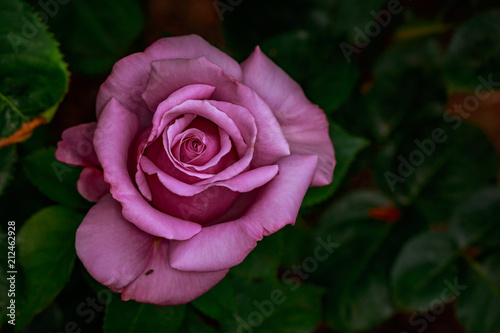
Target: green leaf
(11,207)
(54,179)
(276,308)
(219,302)
(396,99)
(328,81)
(40,138)
(358,298)
(474,52)
(426,264)
(355,14)
(8,157)
(431,172)
(237,16)
(297,238)
(264,260)
(133,317)
(194,324)
(292,52)
(346,148)
(51,319)
(46,245)
(101,33)
(33,76)
(478,307)
(475,221)
(265,306)
(333,85)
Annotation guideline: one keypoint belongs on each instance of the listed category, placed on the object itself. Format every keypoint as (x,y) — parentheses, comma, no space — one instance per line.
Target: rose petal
(91,184)
(304,124)
(156,152)
(191,47)
(244,182)
(197,91)
(221,119)
(267,125)
(112,250)
(201,208)
(140,180)
(176,73)
(130,75)
(177,97)
(210,166)
(189,145)
(225,245)
(208,133)
(76,146)
(242,133)
(115,133)
(161,284)
(243,120)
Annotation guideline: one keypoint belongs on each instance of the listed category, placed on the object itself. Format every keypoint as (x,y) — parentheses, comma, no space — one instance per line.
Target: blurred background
(411,89)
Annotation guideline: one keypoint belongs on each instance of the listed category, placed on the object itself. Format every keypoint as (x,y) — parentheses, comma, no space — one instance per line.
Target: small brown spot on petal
(157,242)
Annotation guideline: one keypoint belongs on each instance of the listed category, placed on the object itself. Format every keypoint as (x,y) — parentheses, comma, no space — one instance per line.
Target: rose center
(192,146)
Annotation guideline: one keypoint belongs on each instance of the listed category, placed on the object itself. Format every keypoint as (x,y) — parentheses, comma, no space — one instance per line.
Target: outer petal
(191,47)
(225,245)
(130,75)
(91,184)
(112,250)
(116,131)
(304,124)
(161,284)
(76,146)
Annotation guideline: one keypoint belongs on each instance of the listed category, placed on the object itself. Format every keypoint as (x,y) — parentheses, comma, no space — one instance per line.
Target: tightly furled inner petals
(191,142)
(192,155)
(191,146)
(197,144)
(229,155)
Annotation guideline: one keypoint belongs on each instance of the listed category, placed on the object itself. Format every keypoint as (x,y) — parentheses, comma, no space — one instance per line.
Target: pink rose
(193,159)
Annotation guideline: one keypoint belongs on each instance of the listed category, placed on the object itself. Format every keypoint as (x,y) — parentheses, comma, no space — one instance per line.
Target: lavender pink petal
(116,130)
(91,184)
(226,244)
(161,284)
(304,124)
(112,249)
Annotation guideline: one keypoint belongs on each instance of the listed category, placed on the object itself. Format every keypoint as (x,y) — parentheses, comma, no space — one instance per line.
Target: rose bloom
(193,159)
